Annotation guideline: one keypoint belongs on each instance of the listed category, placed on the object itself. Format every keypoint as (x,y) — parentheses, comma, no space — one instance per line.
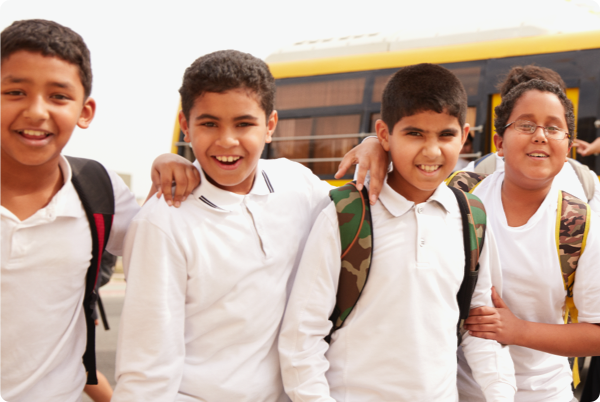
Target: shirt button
(419,209)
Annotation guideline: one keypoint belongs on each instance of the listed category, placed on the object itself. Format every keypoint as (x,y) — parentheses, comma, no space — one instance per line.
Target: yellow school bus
(329,91)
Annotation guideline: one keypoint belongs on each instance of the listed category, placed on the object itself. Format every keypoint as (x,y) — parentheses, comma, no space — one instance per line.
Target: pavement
(112,294)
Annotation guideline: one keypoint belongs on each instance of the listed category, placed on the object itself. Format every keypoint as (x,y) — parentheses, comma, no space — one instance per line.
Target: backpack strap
(474,222)
(572,226)
(354,218)
(94,187)
(585,177)
(465,181)
(486,164)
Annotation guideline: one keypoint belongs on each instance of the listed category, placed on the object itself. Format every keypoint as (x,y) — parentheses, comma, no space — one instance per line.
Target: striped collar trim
(224,200)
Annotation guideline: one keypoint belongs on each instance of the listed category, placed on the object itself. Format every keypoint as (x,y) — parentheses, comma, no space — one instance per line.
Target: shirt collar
(397,205)
(225,200)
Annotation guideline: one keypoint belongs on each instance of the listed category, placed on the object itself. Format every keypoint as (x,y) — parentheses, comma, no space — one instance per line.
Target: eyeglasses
(528,127)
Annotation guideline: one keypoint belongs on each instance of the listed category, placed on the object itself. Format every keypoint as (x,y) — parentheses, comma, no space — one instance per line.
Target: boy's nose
(539,135)
(432,150)
(36,110)
(227,139)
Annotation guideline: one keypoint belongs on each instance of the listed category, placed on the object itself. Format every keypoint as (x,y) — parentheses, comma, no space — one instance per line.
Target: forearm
(581,339)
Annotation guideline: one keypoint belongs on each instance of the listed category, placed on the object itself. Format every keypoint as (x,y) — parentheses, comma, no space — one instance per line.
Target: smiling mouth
(429,168)
(227,160)
(36,134)
(537,155)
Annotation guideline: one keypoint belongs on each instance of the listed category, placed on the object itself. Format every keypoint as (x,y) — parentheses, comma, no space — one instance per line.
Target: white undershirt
(533,289)
(44,263)
(207,285)
(399,342)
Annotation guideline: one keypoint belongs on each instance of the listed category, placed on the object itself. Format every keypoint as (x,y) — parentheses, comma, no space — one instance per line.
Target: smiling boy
(47,249)
(207,284)
(399,341)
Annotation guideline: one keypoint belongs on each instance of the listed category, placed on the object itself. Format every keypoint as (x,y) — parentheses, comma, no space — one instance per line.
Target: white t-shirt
(45,259)
(399,341)
(533,290)
(565,180)
(207,285)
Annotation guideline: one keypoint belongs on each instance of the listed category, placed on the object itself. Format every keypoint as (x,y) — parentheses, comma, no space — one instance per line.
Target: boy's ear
(383,134)
(183,124)
(568,152)
(499,142)
(465,134)
(271,125)
(87,113)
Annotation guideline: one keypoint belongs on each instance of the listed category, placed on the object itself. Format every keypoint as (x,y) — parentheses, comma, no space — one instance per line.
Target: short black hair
(504,110)
(520,74)
(52,40)
(225,70)
(423,87)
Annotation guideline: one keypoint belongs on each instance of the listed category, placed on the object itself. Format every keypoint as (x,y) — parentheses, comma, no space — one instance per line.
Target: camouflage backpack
(572,227)
(356,236)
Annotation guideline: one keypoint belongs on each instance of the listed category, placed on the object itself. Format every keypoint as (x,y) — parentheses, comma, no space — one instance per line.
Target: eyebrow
(445,130)
(18,80)
(210,116)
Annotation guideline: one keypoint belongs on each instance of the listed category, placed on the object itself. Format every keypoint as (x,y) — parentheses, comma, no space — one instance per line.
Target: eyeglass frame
(544,130)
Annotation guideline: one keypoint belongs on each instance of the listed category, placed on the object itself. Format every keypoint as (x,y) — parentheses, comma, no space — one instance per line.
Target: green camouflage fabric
(477,221)
(465,181)
(572,229)
(354,217)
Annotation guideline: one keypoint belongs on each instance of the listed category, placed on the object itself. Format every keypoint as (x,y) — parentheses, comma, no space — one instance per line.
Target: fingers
(349,160)
(497,300)
(378,174)
(361,174)
(482,311)
(181,184)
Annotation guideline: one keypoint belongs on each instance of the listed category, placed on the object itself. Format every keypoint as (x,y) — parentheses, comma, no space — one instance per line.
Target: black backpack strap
(94,187)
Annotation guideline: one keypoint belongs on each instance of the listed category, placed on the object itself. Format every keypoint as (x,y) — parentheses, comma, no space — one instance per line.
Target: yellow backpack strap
(572,226)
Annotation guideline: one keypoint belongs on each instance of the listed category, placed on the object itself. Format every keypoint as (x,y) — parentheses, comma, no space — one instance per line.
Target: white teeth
(35,133)
(227,158)
(539,155)
(429,168)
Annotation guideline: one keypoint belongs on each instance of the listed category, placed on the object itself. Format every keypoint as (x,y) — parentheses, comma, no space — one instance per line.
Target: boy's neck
(521,203)
(406,190)
(26,189)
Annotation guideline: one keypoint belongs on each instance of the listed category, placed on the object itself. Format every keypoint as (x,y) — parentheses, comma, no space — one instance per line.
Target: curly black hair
(504,110)
(520,74)
(225,70)
(50,39)
(423,87)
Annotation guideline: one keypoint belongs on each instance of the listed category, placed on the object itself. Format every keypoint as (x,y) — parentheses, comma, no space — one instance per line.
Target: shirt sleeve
(490,362)
(151,344)
(306,322)
(586,290)
(126,207)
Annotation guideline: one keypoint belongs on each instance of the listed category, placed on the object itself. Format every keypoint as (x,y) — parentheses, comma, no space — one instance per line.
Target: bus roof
(439,54)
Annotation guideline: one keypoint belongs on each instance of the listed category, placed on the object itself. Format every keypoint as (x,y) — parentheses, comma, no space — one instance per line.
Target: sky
(140,50)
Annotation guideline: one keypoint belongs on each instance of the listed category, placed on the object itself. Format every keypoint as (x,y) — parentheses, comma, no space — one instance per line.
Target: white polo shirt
(399,342)
(533,290)
(45,259)
(207,285)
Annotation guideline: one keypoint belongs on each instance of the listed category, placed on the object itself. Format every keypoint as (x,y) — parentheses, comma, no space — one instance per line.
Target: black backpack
(94,187)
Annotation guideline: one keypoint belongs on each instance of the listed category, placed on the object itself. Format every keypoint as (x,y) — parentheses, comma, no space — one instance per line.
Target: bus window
(469,76)
(318,142)
(378,86)
(319,94)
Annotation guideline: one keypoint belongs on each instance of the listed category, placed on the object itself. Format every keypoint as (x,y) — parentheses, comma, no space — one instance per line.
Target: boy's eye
(15,92)
(208,124)
(245,124)
(553,130)
(60,97)
(448,134)
(525,126)
(413,133)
